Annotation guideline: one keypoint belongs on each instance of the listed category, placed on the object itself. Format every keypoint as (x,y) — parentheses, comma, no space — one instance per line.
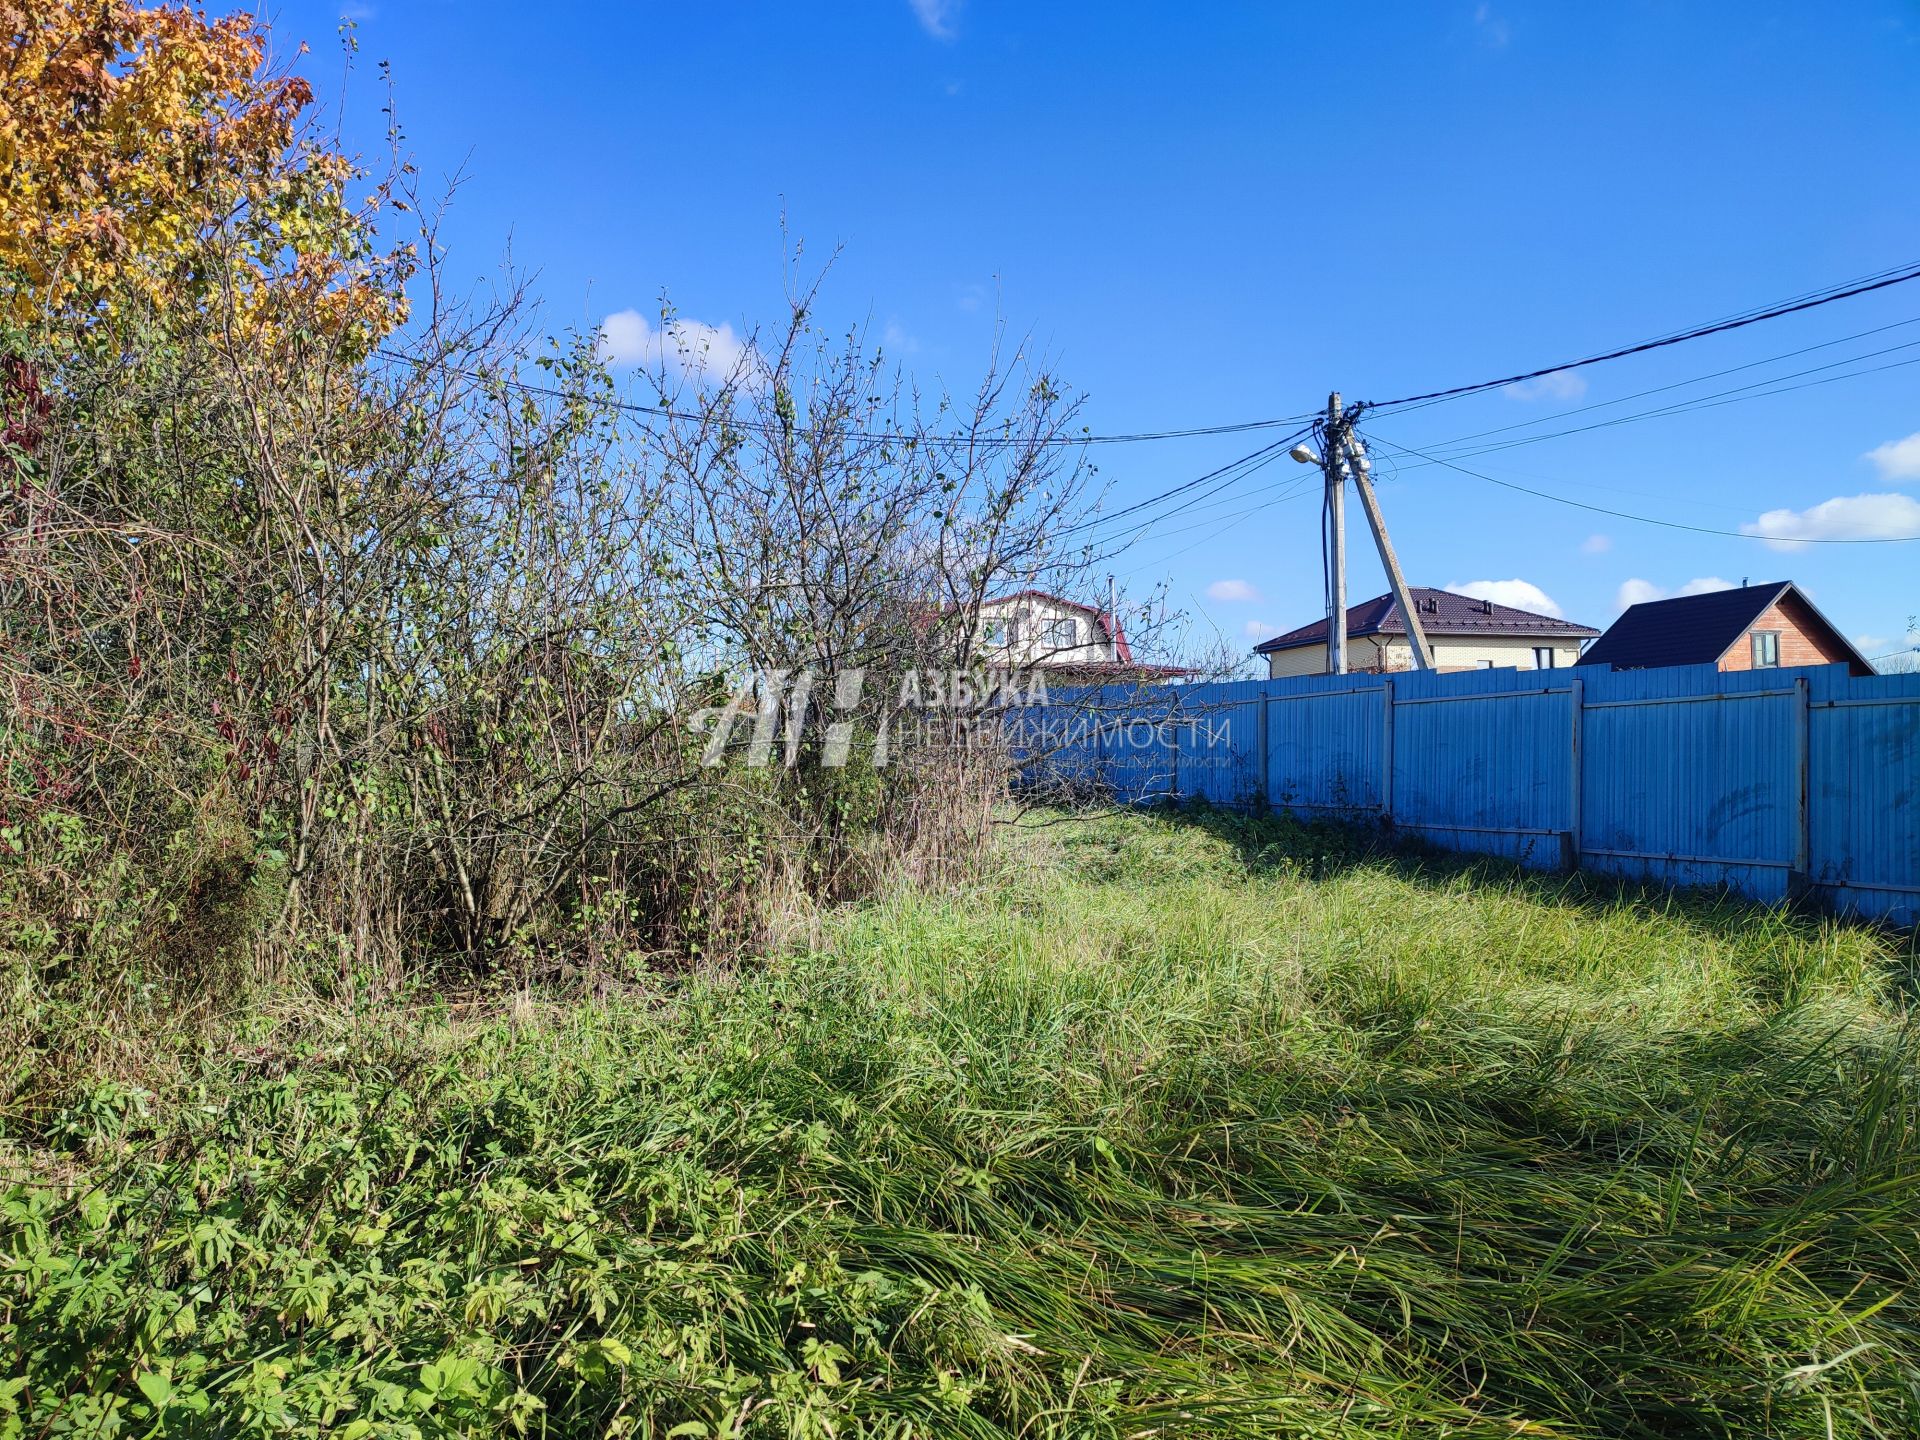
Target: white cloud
(1558,385)
(1638,592)
(1258,629)
(1596,544)
(710,353)
(1869,644)
(1229,591)
(937,17)
(1493,30)
(1845,517)
(894,337)
(1897,460)
(1706,585)
(1520,594)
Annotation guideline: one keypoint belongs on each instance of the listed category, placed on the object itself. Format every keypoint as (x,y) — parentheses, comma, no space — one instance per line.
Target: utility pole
(1356,448)
(1346,451)
(1335,470)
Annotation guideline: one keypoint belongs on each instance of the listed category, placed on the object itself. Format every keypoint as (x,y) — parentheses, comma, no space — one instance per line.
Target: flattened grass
(1168,1128)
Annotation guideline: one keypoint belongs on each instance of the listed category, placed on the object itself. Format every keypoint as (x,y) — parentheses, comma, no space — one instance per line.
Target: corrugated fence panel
(1324,750)
(1217,737)
(1490,772)
(1760,781)
(1134,742)
(1864,796)
(1687,785)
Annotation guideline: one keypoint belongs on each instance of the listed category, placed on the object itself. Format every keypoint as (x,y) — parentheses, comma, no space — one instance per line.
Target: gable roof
(1116,632)
(1699,629)
(1441,613)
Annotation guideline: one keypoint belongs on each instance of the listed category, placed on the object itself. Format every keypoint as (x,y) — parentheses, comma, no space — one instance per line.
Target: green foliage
(1171,1128)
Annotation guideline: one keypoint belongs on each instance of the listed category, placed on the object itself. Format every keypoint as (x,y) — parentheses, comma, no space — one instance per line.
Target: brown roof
(1441,613)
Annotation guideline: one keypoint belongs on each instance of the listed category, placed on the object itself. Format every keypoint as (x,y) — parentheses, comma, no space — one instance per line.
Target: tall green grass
(1167,1128)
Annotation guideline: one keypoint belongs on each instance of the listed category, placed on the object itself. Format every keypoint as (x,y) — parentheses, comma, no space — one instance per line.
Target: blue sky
(1211,213)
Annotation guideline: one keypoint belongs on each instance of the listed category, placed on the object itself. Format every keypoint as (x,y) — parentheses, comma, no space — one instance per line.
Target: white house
(1463,634)
(1034,628)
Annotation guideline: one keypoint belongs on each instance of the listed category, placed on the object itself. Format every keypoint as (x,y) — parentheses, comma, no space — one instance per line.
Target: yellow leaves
(145,155)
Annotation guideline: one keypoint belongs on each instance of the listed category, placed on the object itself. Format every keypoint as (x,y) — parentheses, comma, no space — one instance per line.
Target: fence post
(1802,840)
(1386,751)
(1577,698)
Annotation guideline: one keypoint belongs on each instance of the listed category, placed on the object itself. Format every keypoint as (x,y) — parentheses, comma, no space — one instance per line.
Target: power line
(1200,506)
(666,412)
(1286,493)
(1810,300)
(1773,312)
(1692,380)
(1743,315)
(1734,396)
(1279,493)
(1231,470)
(1649,519)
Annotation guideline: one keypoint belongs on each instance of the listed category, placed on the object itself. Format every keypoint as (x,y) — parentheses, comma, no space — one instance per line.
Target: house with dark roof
(1462,632)
(1755,627)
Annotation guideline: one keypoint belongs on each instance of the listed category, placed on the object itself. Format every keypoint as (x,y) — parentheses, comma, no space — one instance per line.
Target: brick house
(1756,627)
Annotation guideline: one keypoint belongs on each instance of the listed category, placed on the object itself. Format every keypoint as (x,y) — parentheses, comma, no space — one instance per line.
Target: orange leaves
(145,155)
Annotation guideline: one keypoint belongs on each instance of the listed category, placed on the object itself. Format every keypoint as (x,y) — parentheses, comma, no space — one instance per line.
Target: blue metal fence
(1770,782)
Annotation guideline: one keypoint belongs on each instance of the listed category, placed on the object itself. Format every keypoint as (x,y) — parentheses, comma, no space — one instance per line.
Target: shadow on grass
(1322,848)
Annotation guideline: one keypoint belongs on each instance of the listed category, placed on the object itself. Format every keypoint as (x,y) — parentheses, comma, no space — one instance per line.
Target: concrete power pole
(1347,451)
(1335,469)
(1377,522)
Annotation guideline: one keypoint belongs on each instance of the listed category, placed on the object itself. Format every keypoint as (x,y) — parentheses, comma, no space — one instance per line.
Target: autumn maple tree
(152,155)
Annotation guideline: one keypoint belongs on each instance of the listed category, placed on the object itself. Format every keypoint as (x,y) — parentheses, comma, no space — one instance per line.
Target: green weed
(1170,1128)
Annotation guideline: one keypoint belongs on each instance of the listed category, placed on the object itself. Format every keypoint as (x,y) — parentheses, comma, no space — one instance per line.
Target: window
(1766,649)
(1483,665)
(994,632)
(1015,624)
(1543,657)
(1063,633)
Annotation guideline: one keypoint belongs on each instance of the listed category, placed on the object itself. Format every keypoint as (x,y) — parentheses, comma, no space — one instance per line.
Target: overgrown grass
(1171,1128)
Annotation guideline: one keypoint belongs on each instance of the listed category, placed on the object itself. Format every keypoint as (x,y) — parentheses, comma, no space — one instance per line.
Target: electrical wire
(1647,519)
(1734,396)
(1898,276)
(1198,507)
(1231,471)
(1682,384)
(1293,492)
(1280,492)
(1880,280)
(634,407)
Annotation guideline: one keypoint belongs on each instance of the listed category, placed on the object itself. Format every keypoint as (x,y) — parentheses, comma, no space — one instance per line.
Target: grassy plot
(1169,1128)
